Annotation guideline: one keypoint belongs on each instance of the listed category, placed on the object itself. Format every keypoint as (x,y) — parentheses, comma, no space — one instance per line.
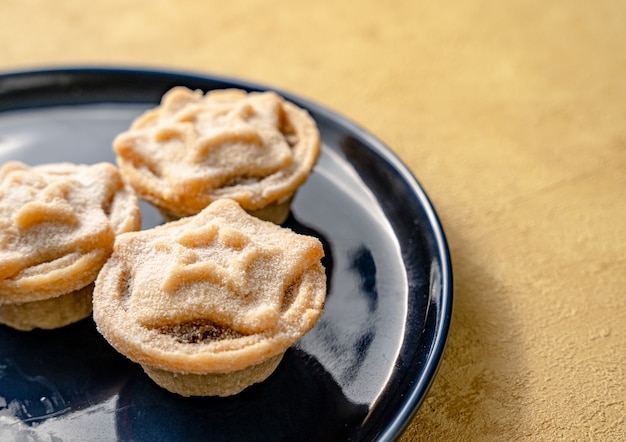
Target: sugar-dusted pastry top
(215,292)
(57,226)
(255,148)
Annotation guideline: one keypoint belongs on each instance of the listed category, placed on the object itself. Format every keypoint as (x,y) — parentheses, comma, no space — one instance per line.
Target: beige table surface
(512,114)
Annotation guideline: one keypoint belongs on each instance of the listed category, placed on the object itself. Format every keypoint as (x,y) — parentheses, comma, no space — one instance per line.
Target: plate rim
(420,387)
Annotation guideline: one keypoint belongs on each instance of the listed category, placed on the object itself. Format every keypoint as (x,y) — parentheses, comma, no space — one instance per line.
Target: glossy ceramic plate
(360,374)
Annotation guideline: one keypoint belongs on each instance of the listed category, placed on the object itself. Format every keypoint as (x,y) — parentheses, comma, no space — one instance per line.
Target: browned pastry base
(49,313)
(213,384)
(276,213)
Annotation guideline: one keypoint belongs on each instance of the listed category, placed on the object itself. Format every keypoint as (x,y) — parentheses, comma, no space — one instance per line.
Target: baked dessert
(208,304)
(255,148)
(58,223)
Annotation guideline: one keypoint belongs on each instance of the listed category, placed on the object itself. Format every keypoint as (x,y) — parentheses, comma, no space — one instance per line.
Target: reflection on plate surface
(359,374)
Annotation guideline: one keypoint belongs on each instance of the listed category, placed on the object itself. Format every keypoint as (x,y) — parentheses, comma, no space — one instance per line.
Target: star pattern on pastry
(49,205)
(210,128)
(35,199)
(190,266)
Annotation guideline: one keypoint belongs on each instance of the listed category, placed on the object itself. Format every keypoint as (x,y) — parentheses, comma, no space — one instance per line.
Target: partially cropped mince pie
(255,148)
(208,304)
(58,223)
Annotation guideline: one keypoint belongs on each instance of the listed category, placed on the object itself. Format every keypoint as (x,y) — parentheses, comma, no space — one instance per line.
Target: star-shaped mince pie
(58,223)
(255,148)
(208,304)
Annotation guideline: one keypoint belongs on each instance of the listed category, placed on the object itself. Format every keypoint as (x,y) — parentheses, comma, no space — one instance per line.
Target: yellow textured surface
(513,117)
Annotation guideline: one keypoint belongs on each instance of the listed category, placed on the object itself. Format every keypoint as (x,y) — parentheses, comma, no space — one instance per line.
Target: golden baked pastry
(58,223)
(209,304)
(255,148)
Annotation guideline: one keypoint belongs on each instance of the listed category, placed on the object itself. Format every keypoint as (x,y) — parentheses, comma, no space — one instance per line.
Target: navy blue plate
(360,374)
